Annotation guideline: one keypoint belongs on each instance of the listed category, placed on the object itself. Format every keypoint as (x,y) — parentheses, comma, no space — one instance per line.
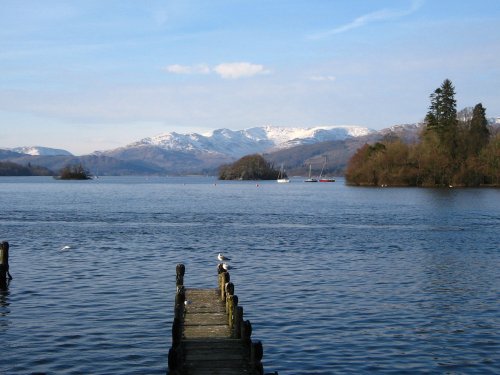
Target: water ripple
(343,280)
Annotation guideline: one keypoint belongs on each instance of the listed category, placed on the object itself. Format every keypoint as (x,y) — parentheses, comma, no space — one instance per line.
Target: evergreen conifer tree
(442,117)
(479,133)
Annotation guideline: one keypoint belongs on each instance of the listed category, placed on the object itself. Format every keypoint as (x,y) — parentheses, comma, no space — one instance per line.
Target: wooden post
(232,305)
(173,362)
(229,291)
(180,298)
(220,268)
(223,280)
(4,264)
(256,354)
(246,330)
(176,332)
(180,269)
(180,295)
(237,322)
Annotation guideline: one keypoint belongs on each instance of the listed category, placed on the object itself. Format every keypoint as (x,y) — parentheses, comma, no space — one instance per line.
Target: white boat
(282,177)
(310,179)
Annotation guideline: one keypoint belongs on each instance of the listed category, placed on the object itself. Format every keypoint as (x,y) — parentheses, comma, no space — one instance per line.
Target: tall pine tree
(479,134)
(442,117)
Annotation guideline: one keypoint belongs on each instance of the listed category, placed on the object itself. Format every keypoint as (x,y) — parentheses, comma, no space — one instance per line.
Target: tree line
(69,172)
(8,168)
(455,149)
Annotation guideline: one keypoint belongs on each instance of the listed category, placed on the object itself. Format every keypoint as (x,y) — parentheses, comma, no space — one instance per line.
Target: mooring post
(180,299)
(232,304)
(246,331)
(256,354)
(175,352)
(176,332)
(237,322)
(229,288)
(223,280)
(220,268)
(180,269)
(4,264)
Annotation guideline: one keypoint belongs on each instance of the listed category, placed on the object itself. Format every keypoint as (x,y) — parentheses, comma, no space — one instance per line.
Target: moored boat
(282,177)
(324,178)
(310,179)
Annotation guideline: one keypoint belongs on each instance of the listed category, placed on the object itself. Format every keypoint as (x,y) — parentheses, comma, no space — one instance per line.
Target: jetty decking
(209,335)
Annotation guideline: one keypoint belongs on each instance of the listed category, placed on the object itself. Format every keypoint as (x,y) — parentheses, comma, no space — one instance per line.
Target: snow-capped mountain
(41,151)
(254,140)
(181,154)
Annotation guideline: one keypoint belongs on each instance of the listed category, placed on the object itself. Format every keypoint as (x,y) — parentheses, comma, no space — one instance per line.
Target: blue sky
(95,75)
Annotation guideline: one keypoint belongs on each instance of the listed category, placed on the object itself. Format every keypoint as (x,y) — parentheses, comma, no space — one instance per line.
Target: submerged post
(4,264)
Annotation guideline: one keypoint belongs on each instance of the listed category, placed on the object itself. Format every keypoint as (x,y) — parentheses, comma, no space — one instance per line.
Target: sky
(87,75)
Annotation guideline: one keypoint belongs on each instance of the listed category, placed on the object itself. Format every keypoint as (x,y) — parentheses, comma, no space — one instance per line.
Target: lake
(334,279)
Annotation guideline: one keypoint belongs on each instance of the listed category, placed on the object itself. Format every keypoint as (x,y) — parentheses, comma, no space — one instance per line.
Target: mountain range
(176,154)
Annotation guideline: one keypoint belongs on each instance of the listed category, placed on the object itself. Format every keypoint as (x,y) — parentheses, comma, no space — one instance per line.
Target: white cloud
(225,70)
(323,78)
(188,69)
(239,70)
(381,15)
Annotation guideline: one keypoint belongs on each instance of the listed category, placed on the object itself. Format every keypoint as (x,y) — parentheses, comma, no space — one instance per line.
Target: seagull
(66,247)
(222,257)
(226,266)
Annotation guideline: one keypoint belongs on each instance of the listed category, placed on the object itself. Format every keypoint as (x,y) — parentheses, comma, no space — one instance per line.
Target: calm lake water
(334,279)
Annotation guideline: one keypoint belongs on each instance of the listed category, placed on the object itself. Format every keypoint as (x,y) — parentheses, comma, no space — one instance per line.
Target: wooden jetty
(209,335)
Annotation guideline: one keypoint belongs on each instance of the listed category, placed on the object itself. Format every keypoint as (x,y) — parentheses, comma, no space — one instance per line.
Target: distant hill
(181,154)
(337,153)
(41,151)
(234,144)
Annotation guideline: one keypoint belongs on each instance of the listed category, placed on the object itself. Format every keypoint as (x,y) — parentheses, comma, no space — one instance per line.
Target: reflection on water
(334,279)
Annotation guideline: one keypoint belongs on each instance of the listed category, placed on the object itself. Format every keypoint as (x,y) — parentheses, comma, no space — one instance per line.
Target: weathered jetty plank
(209,336)
(204,315)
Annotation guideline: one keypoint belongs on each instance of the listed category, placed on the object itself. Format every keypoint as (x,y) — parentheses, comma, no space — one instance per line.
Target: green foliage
(479,133)
(251,167)
(389,163)
(74,172)
(442,116)
(455,149)
(13,169)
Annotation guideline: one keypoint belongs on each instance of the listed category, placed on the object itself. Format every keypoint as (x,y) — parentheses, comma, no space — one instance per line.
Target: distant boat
(282,177)
(325,179)
(310,179)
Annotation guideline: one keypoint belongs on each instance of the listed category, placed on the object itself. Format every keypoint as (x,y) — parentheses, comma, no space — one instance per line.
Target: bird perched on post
(222,257)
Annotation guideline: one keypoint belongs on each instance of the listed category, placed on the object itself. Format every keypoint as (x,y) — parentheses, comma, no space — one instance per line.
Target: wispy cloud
(380,15)
(322,78)
(232,70)
(188,69)
(239,70)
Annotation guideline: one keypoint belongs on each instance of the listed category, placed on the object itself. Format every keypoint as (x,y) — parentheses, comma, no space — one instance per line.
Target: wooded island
(251,167)
(455,149)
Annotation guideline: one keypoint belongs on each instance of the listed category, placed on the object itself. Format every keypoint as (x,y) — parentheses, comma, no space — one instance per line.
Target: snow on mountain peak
(41,151)
(252,140)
